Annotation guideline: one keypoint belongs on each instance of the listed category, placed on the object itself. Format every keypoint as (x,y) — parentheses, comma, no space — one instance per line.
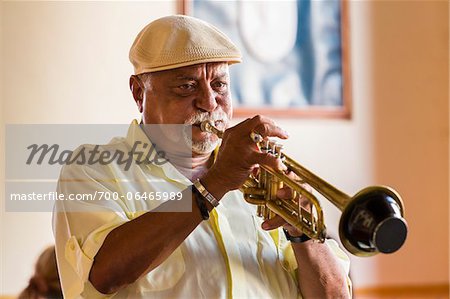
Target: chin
(205,146)
(202,146)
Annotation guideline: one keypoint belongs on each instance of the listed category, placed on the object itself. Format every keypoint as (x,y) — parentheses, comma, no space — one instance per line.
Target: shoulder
(92,160)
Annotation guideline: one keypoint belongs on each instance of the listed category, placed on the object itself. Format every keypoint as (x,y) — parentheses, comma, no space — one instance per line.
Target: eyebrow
(222,74)
(193,78)
(186,77)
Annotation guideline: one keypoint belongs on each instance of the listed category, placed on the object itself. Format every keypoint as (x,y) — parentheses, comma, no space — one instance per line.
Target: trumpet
(371,221)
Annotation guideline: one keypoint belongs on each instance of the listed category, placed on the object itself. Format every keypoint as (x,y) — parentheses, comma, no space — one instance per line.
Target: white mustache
(199,117)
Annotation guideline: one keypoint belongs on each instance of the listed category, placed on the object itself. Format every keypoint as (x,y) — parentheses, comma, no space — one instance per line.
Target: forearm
(140,245)
(319,273)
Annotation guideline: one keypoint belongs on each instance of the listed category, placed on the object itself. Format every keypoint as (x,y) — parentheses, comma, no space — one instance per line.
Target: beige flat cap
(176,41)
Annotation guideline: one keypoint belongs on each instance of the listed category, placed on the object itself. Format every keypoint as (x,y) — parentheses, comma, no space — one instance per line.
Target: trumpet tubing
(371,221)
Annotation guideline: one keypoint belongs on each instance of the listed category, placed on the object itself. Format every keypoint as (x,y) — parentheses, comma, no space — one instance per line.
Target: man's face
(189,95)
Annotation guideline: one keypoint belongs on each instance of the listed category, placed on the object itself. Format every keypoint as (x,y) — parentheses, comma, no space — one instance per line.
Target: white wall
(66,62)
(2,168)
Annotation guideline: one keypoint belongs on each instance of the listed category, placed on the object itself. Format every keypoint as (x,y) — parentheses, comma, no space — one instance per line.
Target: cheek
(150,116)
(152,112)
(227,105)
(177,112)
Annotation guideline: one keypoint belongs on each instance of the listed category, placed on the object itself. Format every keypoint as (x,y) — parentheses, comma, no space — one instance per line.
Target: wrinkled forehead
(196,71)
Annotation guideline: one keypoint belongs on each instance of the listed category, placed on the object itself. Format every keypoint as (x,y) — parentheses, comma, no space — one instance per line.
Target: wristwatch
(200,201)
(300,239)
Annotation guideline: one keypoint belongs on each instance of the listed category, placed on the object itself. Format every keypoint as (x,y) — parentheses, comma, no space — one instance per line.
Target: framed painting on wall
(295,55)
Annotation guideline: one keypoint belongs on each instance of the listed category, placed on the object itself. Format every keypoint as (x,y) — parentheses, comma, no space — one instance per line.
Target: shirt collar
(143,148)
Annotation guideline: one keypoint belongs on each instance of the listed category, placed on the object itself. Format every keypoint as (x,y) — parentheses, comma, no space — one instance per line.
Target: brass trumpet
(371,221)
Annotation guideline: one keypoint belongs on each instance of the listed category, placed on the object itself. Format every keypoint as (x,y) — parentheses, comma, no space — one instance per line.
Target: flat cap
(176,41)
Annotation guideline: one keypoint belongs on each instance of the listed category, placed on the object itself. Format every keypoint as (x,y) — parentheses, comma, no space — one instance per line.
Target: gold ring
(255,137)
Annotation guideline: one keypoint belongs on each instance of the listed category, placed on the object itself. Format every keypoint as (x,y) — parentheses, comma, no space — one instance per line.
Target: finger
(290,174)
(273,223)
(255,170)
(267,127)
(307,187)
(238,127)
(305,203)
(268,160)
(285,193)
(270,130)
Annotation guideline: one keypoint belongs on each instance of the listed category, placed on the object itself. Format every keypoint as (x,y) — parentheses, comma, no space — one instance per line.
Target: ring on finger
(255,137)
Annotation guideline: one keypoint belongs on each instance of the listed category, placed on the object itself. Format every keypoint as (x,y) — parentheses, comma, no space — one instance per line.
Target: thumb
(273,223)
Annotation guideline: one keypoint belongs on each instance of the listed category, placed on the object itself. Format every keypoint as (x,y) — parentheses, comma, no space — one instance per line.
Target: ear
(138,91)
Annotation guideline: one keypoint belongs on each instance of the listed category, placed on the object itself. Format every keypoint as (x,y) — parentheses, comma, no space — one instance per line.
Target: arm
(142,244)
(320,274)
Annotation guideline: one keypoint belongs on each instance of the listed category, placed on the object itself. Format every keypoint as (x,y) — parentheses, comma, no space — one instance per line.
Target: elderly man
(219,248)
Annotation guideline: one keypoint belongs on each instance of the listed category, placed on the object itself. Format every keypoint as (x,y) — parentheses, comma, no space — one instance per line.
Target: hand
(287,193)
(239,155)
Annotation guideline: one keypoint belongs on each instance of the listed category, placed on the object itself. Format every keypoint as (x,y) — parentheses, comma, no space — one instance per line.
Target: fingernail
(265,225)
(283,168)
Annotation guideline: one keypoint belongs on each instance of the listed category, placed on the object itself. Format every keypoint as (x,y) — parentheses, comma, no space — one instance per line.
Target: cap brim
(230,60)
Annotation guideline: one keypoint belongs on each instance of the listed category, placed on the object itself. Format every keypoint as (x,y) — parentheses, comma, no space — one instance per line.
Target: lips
(218,124)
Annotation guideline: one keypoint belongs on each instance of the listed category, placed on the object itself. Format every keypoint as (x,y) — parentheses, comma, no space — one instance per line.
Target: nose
(206,99)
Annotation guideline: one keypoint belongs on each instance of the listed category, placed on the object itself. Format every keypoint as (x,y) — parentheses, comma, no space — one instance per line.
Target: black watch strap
(200,201)
(300,239)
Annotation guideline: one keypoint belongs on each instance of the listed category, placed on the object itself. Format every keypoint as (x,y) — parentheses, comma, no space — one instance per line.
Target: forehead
(213,69)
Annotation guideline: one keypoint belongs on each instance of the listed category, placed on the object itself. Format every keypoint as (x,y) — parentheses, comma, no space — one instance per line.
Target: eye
(220,86)
(187,87)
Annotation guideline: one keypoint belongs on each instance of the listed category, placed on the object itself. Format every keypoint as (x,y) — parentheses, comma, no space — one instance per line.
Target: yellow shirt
(228,256)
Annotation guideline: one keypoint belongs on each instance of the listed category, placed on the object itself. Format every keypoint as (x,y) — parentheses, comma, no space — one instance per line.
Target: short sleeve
(81,226)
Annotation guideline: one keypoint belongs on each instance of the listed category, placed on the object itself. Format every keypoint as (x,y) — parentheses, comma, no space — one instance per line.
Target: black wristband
(300,239)
(201,204)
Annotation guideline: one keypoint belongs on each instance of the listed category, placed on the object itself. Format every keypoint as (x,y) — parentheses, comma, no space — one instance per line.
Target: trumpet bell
(372,222)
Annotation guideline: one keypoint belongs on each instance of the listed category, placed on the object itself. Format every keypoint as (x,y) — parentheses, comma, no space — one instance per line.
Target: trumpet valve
(278,150)
(260,210)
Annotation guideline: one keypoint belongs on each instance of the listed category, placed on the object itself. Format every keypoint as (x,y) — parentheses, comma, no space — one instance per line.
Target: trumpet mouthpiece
(208,126)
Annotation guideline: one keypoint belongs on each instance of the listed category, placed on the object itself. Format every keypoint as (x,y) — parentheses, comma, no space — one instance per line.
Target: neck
(192,167)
